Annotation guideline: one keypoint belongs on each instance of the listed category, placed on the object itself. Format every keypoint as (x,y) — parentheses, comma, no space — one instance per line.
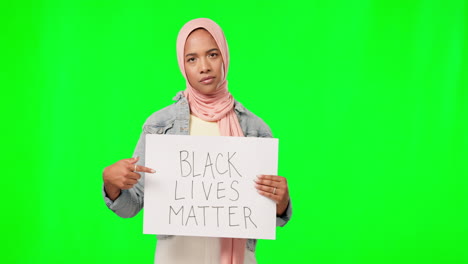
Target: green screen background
(368,99)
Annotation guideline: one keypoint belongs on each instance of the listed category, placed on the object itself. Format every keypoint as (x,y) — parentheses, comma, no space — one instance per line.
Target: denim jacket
(174,120)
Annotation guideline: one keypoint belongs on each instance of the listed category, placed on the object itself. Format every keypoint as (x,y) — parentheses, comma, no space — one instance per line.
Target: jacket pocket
(159,128)
(251,133)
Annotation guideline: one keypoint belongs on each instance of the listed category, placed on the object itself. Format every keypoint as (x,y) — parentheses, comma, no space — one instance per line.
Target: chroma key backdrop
(368,100)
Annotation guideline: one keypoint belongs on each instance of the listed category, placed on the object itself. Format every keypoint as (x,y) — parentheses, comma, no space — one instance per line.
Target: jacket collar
(238,107)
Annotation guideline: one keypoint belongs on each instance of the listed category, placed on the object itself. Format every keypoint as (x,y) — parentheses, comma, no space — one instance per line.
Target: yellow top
(200,127)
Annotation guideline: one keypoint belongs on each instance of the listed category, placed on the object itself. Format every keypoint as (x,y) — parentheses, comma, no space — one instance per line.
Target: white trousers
(193,250)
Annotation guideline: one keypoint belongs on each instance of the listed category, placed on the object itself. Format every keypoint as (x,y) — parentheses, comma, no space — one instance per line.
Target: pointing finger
(139,168)
(144,169)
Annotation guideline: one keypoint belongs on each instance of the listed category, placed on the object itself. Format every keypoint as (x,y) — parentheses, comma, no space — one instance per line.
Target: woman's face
(203,62)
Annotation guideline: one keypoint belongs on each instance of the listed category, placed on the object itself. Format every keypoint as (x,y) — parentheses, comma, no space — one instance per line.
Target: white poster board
(204,186)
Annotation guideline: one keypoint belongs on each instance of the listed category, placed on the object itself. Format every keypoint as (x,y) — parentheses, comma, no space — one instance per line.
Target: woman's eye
(191,60)
(213,55)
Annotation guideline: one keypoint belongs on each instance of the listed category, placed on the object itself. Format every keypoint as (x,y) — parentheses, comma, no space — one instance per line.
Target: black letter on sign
(230,207)
(208,163)
(204,190)
(232,187)
(192,189)
(191,214)
(184,160)
(204,217)
(193,162)
(248,216)
(232,165)
(217,169)
(175,193)
(181,210)
(217,213)
(219,189)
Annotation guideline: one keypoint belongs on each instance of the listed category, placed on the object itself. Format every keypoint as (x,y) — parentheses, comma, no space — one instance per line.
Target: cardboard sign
(204,186)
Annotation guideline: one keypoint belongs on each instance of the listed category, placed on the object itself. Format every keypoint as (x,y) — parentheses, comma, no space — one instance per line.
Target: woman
(205,108)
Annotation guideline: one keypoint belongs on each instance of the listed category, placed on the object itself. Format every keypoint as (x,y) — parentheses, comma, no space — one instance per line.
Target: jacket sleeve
(130,201)
(283,219)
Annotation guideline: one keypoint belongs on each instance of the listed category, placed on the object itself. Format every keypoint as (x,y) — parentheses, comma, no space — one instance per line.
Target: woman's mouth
(207,80)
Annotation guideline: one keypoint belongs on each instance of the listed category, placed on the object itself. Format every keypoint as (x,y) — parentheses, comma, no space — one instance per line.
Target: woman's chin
(206,90)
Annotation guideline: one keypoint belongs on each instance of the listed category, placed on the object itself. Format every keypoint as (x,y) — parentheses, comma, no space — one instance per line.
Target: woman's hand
(122,175)
(275,188)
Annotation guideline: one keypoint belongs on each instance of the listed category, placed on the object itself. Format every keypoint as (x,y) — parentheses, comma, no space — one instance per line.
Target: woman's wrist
(112,191)
(281,209)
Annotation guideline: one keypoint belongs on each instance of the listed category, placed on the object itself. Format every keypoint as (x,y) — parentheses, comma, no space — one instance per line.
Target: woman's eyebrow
(194,53)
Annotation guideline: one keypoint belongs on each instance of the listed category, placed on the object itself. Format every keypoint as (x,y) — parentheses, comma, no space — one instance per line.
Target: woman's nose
(205,66)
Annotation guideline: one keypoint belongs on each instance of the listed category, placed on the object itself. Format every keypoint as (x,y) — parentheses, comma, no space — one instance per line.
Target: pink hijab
(216,107)
(219,106)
